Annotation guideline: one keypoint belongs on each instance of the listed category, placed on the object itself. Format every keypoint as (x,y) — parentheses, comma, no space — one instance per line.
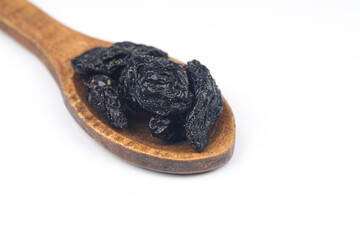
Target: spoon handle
(30,26)
(50,40)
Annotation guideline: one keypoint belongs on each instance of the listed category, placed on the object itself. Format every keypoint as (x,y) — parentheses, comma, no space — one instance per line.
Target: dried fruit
(208,105)
(112,60)
(158,85)
(167,128)
(184,101)
(102,94)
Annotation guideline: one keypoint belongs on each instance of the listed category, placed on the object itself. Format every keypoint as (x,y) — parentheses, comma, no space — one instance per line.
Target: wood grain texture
(56,44)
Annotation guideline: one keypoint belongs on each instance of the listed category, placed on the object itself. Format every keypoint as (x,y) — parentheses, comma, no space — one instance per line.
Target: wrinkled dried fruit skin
(167,128)
(130,101)
(102,94)
(161,127)
(112,60)
(183,100)
(158,85)
(208,105)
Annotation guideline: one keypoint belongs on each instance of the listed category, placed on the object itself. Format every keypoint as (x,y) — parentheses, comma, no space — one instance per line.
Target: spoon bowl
(56,44)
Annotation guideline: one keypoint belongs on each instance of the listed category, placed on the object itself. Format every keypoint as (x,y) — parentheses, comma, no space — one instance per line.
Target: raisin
(207,108)
(167,128)
(130,102)
(183,100)
(112,60)
(88,62)
(158,85)
(102,94)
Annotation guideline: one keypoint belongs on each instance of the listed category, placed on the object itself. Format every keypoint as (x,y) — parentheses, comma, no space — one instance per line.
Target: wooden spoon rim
(55,44)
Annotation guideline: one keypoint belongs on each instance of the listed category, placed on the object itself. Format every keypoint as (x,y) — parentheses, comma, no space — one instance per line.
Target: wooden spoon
(56,44)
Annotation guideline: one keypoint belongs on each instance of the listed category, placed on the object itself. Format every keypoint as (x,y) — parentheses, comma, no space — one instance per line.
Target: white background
(290,71)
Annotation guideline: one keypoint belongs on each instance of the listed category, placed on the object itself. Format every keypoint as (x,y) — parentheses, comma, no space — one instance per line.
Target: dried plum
(167,128)
(112,60)
(158,85)
(102,94)
(208,105)
(183,100)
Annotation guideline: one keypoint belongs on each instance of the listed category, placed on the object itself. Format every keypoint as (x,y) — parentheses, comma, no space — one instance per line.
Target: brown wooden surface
(55,44)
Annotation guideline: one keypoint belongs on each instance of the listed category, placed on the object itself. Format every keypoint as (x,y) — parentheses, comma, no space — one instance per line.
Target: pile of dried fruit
(184,102)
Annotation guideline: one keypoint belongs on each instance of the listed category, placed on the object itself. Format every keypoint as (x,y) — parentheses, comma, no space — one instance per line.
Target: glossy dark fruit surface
(158,85)
(208,105)
(112,60)
(182,100)
(168,128)
(102,94)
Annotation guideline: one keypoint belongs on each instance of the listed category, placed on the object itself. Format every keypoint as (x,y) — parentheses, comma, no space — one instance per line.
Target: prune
(112,60)
(167,128)
(158,85)
(183,100)
(208,105)
(102,94)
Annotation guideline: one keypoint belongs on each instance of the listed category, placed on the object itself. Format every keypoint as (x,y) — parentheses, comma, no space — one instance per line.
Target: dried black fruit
(208,105)
(184,103)
(158,85)
(112,60)
(161,127)
(102,94)
(89,62)
(167,128)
